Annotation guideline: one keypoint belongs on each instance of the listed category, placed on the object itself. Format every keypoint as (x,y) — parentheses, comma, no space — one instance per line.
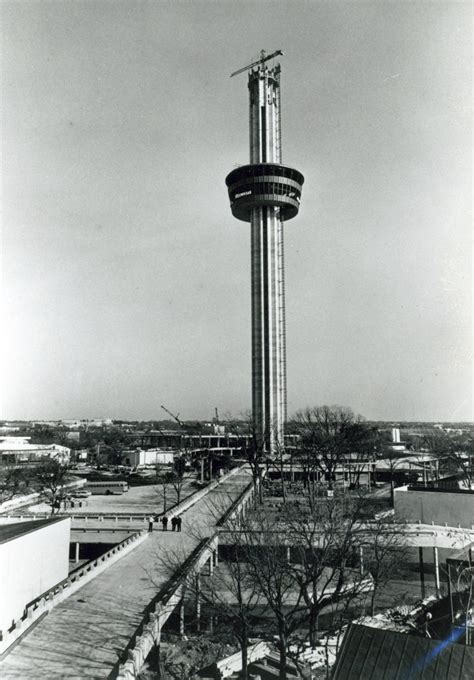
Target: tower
(266,194)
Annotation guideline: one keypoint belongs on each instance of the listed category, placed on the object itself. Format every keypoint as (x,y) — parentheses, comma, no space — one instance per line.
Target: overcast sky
(126,280)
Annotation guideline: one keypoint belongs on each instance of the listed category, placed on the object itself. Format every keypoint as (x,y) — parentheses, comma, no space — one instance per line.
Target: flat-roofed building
(34,557)
(20,450)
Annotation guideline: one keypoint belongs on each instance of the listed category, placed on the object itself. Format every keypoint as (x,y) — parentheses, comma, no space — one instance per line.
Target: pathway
(85,636)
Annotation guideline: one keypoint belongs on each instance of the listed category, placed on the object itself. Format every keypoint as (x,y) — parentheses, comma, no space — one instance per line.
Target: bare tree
(279,462)
(454,454)
(330,436)
(51,476)
(163,484)
(255,454)
(384,551)
(275,579)
(230,593)
(325,548)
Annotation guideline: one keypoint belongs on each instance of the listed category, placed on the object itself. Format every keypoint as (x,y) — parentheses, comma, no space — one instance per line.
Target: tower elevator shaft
(266,193)
(268,305)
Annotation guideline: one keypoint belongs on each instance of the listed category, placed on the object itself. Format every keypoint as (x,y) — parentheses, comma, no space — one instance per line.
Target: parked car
(81,493)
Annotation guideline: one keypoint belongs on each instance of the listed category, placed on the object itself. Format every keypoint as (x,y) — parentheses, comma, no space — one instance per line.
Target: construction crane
(175,417)
(262,60)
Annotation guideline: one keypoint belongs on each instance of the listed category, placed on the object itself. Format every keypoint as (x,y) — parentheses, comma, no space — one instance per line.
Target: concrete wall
(435,507)
(30,565)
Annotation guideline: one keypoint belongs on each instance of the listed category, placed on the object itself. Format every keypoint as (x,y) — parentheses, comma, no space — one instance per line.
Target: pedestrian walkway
(84,637)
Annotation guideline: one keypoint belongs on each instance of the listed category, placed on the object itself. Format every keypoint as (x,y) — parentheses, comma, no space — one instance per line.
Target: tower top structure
(258,63)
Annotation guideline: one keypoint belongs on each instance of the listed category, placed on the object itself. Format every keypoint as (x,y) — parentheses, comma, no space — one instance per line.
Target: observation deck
(264,184)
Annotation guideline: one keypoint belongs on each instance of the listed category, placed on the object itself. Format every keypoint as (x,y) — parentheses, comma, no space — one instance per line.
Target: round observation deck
(253,186)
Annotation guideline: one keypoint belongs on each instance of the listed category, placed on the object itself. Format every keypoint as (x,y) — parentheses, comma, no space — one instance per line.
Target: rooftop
(371,654)
(8,532)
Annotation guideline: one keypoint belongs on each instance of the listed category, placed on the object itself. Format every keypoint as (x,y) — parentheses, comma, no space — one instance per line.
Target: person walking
(178,523)
(164,521)
(150,524)
(173,523)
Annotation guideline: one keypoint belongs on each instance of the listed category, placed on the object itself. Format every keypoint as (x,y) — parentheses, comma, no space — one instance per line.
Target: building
(435,505)
(34,557)
(20,450)
(266,194)
(371,654)
(148,457)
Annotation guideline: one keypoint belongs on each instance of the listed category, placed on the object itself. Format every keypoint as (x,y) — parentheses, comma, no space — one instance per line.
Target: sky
(125,279)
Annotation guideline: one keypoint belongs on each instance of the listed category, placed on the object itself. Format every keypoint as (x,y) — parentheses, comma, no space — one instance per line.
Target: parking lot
(138,499)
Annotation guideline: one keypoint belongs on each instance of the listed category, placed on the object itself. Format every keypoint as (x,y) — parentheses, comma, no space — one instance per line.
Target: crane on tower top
(260,62)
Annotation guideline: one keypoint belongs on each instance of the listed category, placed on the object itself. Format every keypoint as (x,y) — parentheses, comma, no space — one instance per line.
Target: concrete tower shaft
(265,121)
(266,193)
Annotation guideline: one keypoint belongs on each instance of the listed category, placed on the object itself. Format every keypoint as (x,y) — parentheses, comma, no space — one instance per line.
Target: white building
(148,457)
(20,450)
(34,557)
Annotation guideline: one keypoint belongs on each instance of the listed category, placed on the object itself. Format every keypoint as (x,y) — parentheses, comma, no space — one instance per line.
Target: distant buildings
(75,424)
(20,450)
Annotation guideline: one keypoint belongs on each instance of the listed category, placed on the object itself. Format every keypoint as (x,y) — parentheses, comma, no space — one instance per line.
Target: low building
(371,654)
(149,457)
(20,450)
(431,505)
(34,557)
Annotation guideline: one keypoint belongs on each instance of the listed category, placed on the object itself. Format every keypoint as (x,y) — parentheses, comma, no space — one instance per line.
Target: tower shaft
(266,193)
(268,302)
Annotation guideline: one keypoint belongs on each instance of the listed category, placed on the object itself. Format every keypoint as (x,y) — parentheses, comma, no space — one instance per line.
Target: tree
(230,594)
(384,551)
(254,452)
(177,476)
(51,476)
(325,542)
(329,437)
(454,453)
(164,483)
(172,478)
(275,580)
(15,480)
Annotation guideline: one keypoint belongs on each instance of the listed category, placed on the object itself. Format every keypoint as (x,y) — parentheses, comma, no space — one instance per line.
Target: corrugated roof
(372,654)
(8,532)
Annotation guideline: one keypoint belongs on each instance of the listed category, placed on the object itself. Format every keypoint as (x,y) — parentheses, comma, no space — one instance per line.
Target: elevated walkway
(85,636)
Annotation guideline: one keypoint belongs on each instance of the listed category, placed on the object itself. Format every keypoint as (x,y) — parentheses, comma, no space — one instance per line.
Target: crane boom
(262,59)
(175,417)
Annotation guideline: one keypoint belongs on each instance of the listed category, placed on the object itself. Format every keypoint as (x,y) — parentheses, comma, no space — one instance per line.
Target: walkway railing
(149,633)
(64,589)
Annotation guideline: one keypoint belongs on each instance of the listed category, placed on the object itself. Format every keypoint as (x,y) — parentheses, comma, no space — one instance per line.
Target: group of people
(175,523)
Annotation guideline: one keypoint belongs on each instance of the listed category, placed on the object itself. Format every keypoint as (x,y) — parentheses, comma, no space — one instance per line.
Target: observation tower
(266,193)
